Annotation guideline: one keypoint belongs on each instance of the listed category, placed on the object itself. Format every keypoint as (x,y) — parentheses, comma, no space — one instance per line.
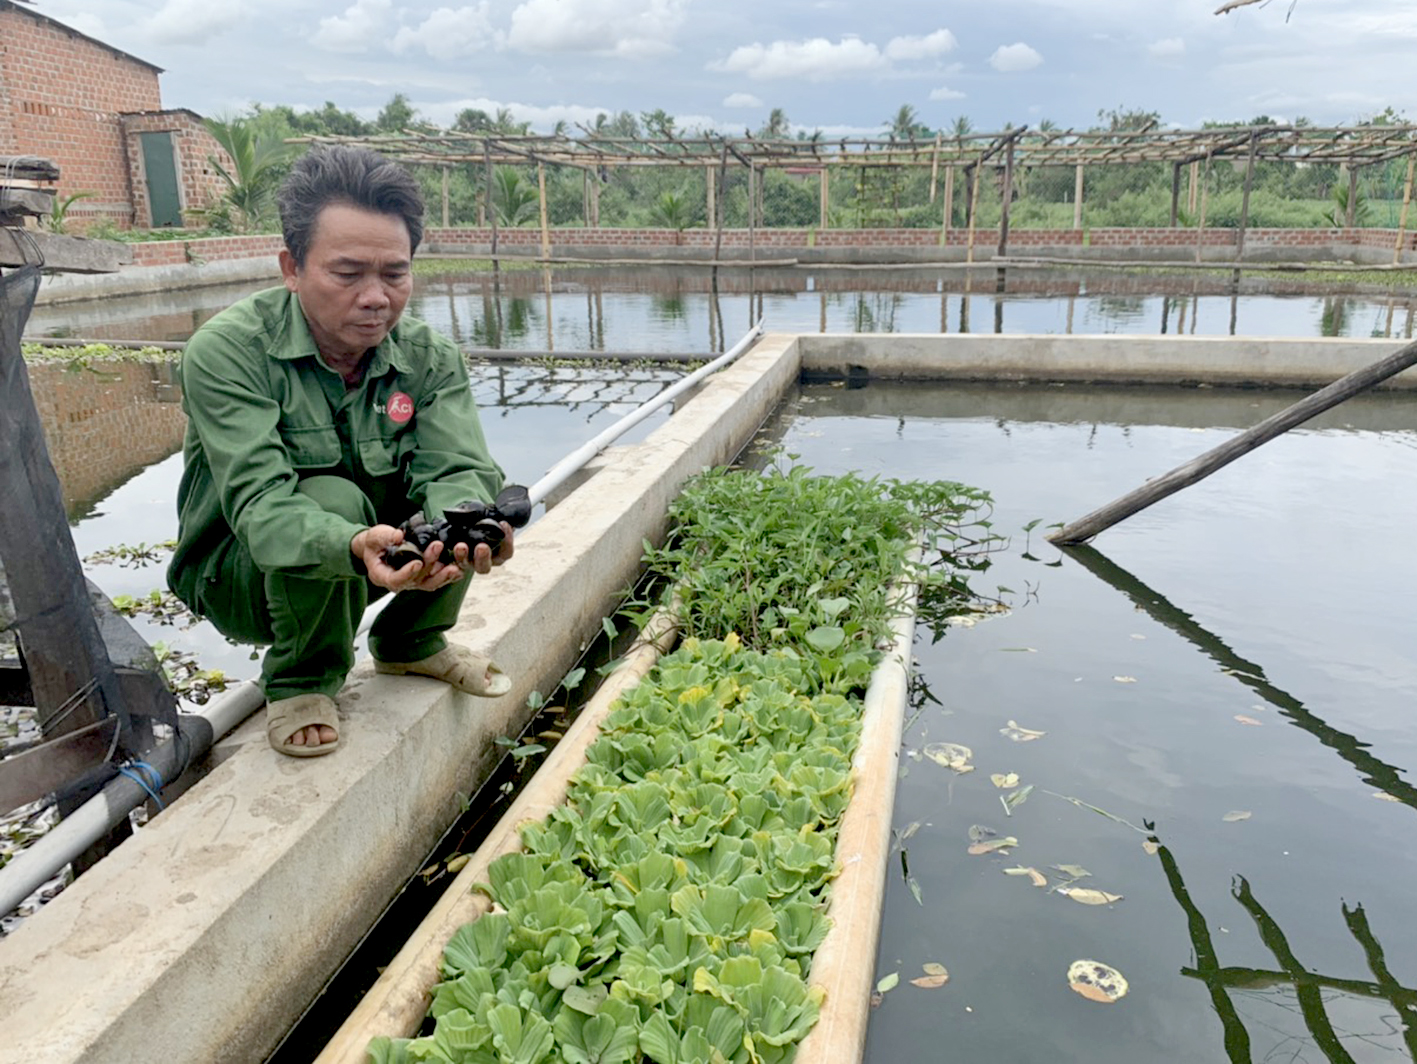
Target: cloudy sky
(844,66)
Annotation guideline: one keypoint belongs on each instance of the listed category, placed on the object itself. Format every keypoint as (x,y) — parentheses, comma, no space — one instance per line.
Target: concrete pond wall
(204,937)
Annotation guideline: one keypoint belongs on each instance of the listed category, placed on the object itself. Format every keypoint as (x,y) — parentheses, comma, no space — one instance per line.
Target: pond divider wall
(205,936)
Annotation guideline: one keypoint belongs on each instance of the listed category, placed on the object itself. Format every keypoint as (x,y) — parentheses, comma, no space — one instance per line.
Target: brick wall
(207,249)
(198,184)
(106,424)
(63,93)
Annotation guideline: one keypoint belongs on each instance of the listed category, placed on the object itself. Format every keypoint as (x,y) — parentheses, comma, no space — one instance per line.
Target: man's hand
(434,571)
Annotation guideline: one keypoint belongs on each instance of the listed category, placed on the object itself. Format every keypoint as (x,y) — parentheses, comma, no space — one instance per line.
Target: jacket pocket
(379,457)
(314,447)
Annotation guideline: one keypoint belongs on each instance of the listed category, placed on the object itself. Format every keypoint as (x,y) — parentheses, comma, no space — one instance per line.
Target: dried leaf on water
(1386,797)
(1151,846)
(1125,679)
(951,755)
(934,980)
(1039,879)
(1016,798)
(1088,896)
(1097,981)
(1004,780)
(1248,720)
(1236,814)
(1020,734)
(993,846)
(1073,871)
(910,830)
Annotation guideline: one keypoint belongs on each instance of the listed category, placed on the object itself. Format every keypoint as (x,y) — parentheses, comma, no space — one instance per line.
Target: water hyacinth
(669,909)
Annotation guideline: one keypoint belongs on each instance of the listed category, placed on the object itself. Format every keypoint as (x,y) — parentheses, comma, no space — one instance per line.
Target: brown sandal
(287,716)
(477,674)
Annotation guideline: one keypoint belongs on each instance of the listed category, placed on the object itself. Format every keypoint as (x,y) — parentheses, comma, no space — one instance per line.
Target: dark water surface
(1279,590)
(674,309)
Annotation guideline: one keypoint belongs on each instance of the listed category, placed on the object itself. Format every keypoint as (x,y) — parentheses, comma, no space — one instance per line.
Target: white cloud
(191,21)
(542,119)
(627,28)
(927,47)
(1167,48)
(742,99)
(817,59)
(1012,58)
(944,93)
(86,23)
(450,33)
(361,25)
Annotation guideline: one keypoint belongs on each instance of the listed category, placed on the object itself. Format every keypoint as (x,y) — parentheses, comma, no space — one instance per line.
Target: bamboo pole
(1008,195)
(1406,203)
(1199,468)
(1350,216)
(946,217)
(1077,197)
(545,226)
(934,167)
(1193,189)
(711,206)
(825,199)
(491,206)
(399,999)
(445,197)
(1175,193)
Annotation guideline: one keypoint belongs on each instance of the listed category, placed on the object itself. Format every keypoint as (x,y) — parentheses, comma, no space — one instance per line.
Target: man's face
(355,281)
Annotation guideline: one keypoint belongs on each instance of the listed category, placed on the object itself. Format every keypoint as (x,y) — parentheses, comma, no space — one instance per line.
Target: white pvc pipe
(576,460)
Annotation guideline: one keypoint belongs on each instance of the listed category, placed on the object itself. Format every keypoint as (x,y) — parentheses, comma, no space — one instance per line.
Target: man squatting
(318,420)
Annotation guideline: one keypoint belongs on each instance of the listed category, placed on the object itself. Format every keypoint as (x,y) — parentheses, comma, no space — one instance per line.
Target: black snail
(469,522)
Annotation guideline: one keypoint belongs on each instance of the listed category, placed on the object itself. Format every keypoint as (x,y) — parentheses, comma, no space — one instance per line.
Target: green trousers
(310,624)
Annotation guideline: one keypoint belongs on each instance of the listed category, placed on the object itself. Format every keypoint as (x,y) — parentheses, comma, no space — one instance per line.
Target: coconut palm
(256,165)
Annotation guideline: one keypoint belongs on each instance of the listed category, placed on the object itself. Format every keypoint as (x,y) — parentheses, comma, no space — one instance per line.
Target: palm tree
(776,127)
(255,170)
(961,126)
(515,199)
(906,124)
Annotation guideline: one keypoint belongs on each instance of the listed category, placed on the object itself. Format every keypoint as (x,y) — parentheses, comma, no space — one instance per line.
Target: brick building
(97,112)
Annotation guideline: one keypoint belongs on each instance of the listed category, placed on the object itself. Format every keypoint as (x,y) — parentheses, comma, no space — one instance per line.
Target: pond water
(676,309)
(1233,666)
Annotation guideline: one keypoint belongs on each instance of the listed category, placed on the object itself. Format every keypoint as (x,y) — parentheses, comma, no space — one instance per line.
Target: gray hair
(342,174)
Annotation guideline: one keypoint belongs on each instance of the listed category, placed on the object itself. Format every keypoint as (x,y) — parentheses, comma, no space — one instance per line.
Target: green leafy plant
(256,160)
(58,218)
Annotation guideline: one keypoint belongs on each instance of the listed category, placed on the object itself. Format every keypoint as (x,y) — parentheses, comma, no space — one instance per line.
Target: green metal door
(163,201)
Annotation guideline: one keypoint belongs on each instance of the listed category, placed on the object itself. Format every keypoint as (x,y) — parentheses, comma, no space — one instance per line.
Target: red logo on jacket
(400,408)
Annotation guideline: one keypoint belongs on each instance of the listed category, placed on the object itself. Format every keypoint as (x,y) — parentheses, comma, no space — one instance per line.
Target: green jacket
(264,411)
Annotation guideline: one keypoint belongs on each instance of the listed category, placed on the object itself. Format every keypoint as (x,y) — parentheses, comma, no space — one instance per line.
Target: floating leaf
(1039,879)
(1020,734)
(1125,679)
(932,968)
(1017,798)
(978,832)
(993,845)
(914,885)
(1088,896)
(458,862)
(1248,720)
(888,983)
(951,755)
(1237,814)
(1097,981)
(1151,846)
(1073,871)
(1004,780)
(1386,797)
(933,981)
(910,830)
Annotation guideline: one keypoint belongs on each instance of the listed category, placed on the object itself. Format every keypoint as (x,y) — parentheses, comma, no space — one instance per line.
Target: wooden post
(1406,203)
(1175,193)
(1003,248)
(825,198)
(712,207)
(752,214)
(1193,187)
(595,200)
(1218,457)
(1245,198)
(934,167)
(718,232)
(491,206)
(545,226)
(1205,200)
(1077,197)
(947,217)
(445,197)
(974,183)
(1352,214)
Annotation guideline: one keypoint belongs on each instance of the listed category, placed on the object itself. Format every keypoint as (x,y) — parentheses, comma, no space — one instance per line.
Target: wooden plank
(17,201)
(70,254)
(28,168)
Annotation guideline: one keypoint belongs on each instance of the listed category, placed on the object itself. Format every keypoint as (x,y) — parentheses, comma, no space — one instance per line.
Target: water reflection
(1376,772)
(659,308)
(1291,978)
